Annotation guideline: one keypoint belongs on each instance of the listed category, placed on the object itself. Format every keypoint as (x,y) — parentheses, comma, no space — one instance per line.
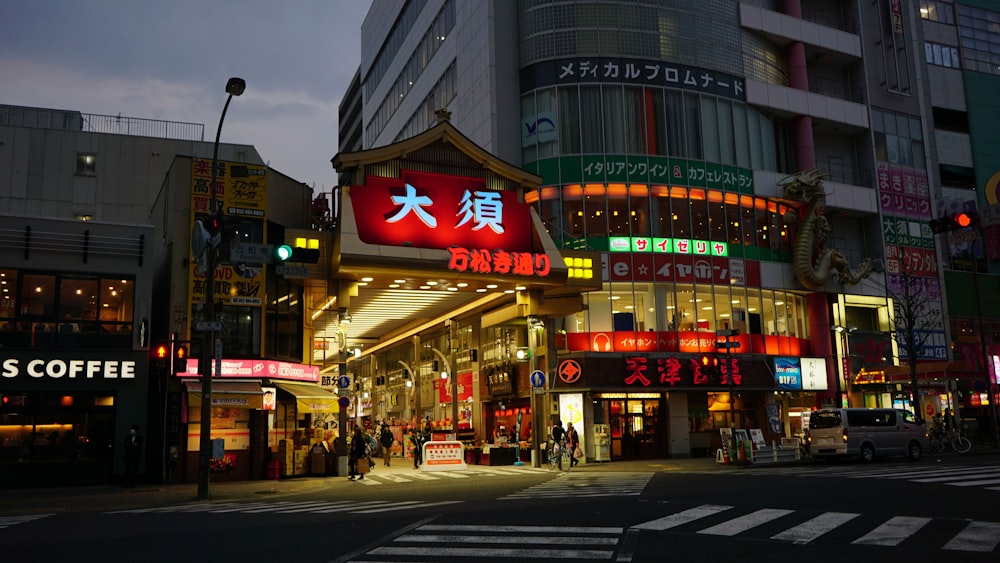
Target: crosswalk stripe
(975,483)
(7,521)
(952,477)
(977,536)
(265,508)
(351,507)
(744,523)
(510,529)
(893,532)
(812,529)
(546,540)
(494,553)
(406,506)
(681,518)
(286,505)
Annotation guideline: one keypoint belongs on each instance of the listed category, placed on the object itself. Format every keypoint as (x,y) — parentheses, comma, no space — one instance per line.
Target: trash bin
(274,470)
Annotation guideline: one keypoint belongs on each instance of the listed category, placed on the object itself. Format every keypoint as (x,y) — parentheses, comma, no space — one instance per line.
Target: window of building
(86,164)
(979,32)
(937,11)
(941,55)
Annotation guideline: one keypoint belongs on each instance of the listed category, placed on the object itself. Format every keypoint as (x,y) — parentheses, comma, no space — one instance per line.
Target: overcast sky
(170,60)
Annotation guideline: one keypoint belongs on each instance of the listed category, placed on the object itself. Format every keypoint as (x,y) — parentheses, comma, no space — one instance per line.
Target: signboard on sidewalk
(444,456)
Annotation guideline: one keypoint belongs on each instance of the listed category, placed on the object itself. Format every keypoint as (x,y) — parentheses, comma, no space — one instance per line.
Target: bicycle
(558,456)
(941,439)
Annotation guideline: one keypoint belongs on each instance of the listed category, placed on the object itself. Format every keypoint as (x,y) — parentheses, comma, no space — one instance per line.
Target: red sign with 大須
(426,210)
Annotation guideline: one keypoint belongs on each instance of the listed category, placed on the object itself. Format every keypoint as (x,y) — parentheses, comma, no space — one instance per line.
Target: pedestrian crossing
(584,484)
(802,527)
(381,477)
(8,521)
(479,542)
(289,507)
(983,476)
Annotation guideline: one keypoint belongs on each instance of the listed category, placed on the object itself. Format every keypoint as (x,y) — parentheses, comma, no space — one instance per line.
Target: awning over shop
(309,397)
(926,372)
(238,394)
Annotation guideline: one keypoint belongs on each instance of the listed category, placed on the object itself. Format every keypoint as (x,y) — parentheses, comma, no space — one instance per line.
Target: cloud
(171,60)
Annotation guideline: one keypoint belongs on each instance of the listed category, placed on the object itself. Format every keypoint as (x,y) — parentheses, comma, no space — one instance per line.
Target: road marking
(538,540)
(495,553)
(352,507)
(681,518)
(405,505)
(893,532)
(292,507)
(812,529)
(953,477)
(502,529)
(977,536)
(974,483)
(746,522)
(8,521)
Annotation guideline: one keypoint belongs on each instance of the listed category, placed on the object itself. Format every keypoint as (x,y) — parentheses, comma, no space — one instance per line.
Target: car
(866,433)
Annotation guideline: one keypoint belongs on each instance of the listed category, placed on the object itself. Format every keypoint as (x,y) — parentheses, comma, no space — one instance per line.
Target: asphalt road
(686,510)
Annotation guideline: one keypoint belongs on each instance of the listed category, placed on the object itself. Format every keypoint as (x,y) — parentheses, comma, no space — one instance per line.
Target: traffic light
(161,356)
(180,359)
(288,253)
(522,354)
(954,222)
(4,400)
(213,224)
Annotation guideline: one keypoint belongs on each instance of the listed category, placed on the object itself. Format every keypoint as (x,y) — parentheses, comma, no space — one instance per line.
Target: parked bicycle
(941,439)
(558,455)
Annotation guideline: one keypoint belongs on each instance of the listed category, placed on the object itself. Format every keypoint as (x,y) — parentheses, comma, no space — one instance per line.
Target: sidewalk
(115,497)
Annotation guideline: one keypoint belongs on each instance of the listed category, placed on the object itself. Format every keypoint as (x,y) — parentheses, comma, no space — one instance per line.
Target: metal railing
(141,127)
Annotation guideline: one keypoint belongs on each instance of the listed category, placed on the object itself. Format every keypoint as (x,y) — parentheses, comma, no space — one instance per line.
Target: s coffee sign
(56,368)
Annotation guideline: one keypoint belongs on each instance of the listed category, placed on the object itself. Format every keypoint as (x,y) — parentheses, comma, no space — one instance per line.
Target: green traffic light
(283,252)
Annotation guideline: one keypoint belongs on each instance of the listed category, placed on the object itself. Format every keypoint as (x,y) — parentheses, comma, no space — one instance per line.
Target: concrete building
(757,172)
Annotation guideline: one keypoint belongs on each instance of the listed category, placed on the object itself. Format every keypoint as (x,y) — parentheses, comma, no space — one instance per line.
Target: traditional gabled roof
(443,132)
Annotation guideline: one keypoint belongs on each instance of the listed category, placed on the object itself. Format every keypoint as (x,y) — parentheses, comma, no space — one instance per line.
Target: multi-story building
(96,216)
(759,173)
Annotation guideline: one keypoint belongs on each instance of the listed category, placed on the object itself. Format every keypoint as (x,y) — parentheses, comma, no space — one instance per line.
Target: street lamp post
(234,87)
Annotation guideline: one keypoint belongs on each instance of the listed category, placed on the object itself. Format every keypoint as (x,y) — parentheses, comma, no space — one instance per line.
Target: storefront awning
(238,394)
(309,397)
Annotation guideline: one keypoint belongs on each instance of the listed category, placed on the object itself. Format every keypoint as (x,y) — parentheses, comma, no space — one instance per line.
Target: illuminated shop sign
(800,374)
(499,262)
(258,368)
(68,369)
(425,210)
(681,372)
(668,246)
(658,267)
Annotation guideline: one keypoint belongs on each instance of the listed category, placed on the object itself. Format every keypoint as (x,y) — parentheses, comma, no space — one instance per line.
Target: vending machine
(602,442)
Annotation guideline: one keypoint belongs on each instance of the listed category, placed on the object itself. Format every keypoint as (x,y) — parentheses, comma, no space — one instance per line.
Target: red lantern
(496,413)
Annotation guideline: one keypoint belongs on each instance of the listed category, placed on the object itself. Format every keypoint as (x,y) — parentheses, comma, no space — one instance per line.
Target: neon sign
(483,261)
(668,246)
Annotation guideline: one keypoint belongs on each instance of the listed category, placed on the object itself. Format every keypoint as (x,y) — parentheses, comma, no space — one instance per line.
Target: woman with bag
(573,443)
(358,452)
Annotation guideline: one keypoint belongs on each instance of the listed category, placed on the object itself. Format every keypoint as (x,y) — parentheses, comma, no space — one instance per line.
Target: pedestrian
(387,440)
(416,443)
(133,449)
(572,444)
(357,449)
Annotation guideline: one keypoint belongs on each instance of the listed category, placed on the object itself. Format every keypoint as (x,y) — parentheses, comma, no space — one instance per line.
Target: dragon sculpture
(812,261)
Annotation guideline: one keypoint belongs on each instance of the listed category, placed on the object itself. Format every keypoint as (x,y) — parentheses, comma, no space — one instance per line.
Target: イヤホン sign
(68,369)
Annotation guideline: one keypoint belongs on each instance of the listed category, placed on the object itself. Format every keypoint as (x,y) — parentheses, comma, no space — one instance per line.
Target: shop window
(38,296)
(698,205)
(569,120)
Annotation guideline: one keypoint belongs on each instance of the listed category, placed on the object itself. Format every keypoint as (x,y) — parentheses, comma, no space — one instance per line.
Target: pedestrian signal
(180,359)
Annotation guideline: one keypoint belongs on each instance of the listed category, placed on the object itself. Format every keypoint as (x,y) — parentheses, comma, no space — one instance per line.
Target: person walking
(572,443)
(133,450)
(417,444)
(386,439)
(357,449)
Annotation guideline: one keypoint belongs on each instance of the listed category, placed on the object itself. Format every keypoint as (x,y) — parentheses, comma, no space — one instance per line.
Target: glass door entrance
(638,431)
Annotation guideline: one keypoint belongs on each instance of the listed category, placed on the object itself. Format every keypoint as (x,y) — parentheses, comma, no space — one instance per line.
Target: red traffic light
(4,400)
(162,352)
(709,361)
(963,219)
(180,353)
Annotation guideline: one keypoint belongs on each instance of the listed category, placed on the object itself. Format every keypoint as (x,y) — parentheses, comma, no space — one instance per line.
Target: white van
(866,433)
